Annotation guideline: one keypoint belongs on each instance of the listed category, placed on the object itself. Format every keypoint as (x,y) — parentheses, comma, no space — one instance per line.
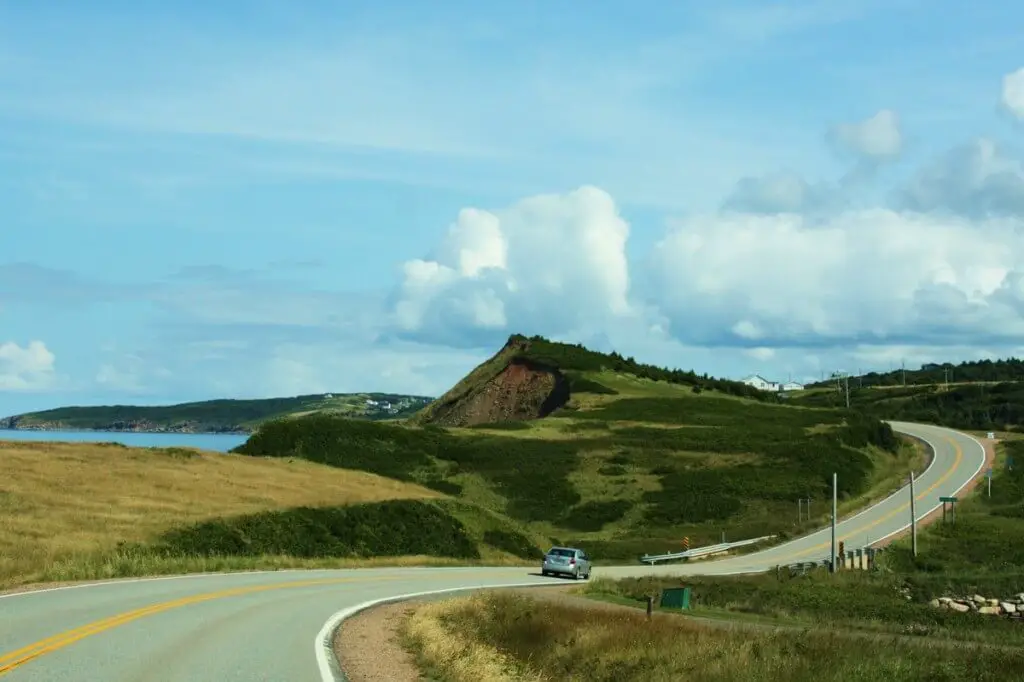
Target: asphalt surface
(271,626)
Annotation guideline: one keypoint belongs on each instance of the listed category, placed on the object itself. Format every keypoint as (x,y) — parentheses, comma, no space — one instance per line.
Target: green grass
(211,416)
(852,600)
(998,407)
(625,471)
(506,636)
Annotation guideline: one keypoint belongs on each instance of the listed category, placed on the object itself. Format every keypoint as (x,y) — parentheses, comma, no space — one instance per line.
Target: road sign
(988,472)
(947,499)
(686,543)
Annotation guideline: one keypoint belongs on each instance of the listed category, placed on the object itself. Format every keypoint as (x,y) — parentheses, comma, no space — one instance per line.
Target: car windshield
(558,551)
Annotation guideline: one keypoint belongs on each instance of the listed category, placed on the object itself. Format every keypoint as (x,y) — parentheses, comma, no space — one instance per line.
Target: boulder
(957,606)
(978,599)
(945,600)
(992,602)
(990,610)
(1007,607)
(936,603)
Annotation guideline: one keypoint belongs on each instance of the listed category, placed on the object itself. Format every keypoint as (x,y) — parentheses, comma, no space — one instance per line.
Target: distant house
(760,383)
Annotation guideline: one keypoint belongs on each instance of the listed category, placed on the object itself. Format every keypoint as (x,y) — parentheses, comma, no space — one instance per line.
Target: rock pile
(1012,607)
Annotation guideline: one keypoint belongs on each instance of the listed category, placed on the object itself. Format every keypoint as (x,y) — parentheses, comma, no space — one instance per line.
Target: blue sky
(268,198)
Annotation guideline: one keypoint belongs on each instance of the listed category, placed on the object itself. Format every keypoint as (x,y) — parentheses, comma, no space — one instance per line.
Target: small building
(792,386)
(760,383)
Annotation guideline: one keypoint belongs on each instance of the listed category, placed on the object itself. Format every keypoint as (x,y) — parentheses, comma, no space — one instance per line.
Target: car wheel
(576,574)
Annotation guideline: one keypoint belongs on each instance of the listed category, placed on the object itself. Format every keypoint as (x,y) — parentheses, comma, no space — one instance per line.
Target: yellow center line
(899,510)
(18,657)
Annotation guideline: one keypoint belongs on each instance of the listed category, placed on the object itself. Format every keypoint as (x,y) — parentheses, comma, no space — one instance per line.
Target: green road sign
(947,499)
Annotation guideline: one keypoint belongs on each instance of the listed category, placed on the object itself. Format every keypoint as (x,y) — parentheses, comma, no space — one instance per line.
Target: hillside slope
(627,465)
(979,406)
(214,416)
(529,378)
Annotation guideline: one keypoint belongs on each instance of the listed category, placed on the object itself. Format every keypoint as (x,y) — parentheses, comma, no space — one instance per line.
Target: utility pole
(913,517)
(834,495)
(903,369)
(846,379)
(946,370)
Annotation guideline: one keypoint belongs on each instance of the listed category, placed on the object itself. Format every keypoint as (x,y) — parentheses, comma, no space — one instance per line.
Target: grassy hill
(101,510)
(975,371)
(979,406)
(626,465)
(623,465)
(216,416)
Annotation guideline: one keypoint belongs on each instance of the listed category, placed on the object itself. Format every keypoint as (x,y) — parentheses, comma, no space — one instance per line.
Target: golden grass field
(65,500)
(504,637)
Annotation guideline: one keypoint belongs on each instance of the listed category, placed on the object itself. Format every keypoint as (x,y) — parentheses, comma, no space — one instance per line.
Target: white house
(759,382)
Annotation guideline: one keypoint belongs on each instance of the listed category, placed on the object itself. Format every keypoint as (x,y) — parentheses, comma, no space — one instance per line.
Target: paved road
(270,626)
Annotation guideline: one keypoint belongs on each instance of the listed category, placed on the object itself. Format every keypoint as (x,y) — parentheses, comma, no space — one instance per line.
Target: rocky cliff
(507,387)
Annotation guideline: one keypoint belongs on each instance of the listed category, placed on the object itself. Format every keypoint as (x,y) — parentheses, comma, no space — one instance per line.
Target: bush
(514,543)
(385,449)
(580,384)
(528,472)
(613,470)
(504,426)
(392,528)
(595,515)
(443,486)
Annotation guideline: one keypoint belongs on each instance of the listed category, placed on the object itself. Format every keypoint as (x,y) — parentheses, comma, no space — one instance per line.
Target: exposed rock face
(522,390)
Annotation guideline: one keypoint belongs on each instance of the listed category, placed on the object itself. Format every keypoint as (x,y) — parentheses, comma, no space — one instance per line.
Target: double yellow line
(899,510)
(19,657)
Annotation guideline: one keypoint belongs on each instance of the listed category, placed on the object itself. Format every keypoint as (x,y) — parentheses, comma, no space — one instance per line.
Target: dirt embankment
(522,390)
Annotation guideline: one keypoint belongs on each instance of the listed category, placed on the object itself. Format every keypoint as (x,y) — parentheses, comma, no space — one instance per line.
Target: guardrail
(701,551)
(852,559)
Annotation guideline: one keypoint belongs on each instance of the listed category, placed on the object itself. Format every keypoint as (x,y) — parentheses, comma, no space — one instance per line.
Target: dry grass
(498,637)
(59,500)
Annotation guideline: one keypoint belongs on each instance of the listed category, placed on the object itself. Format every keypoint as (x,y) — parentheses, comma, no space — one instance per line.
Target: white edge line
(962,486)
(323,645)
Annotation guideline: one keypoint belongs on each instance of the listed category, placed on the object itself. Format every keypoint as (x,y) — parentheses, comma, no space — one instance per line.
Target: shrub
(385,449)
(444,486)
(613,470)
(595,515)
(580,384)
(515,425)
(514,543)
(392,528)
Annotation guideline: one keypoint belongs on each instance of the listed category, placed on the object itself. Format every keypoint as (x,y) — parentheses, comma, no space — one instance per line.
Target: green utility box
(676,598)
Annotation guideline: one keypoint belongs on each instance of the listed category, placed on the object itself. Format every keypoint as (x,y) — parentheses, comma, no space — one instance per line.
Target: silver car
(566,561)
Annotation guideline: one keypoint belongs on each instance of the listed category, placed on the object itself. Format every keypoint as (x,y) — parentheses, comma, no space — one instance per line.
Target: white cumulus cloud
(1013,93)
(866,276)
(27,368)
(554,262)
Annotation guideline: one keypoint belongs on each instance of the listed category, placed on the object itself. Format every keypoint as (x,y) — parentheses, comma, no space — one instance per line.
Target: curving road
(274,626)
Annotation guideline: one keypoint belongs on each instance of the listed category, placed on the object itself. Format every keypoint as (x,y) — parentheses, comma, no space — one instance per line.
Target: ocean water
(218,442)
